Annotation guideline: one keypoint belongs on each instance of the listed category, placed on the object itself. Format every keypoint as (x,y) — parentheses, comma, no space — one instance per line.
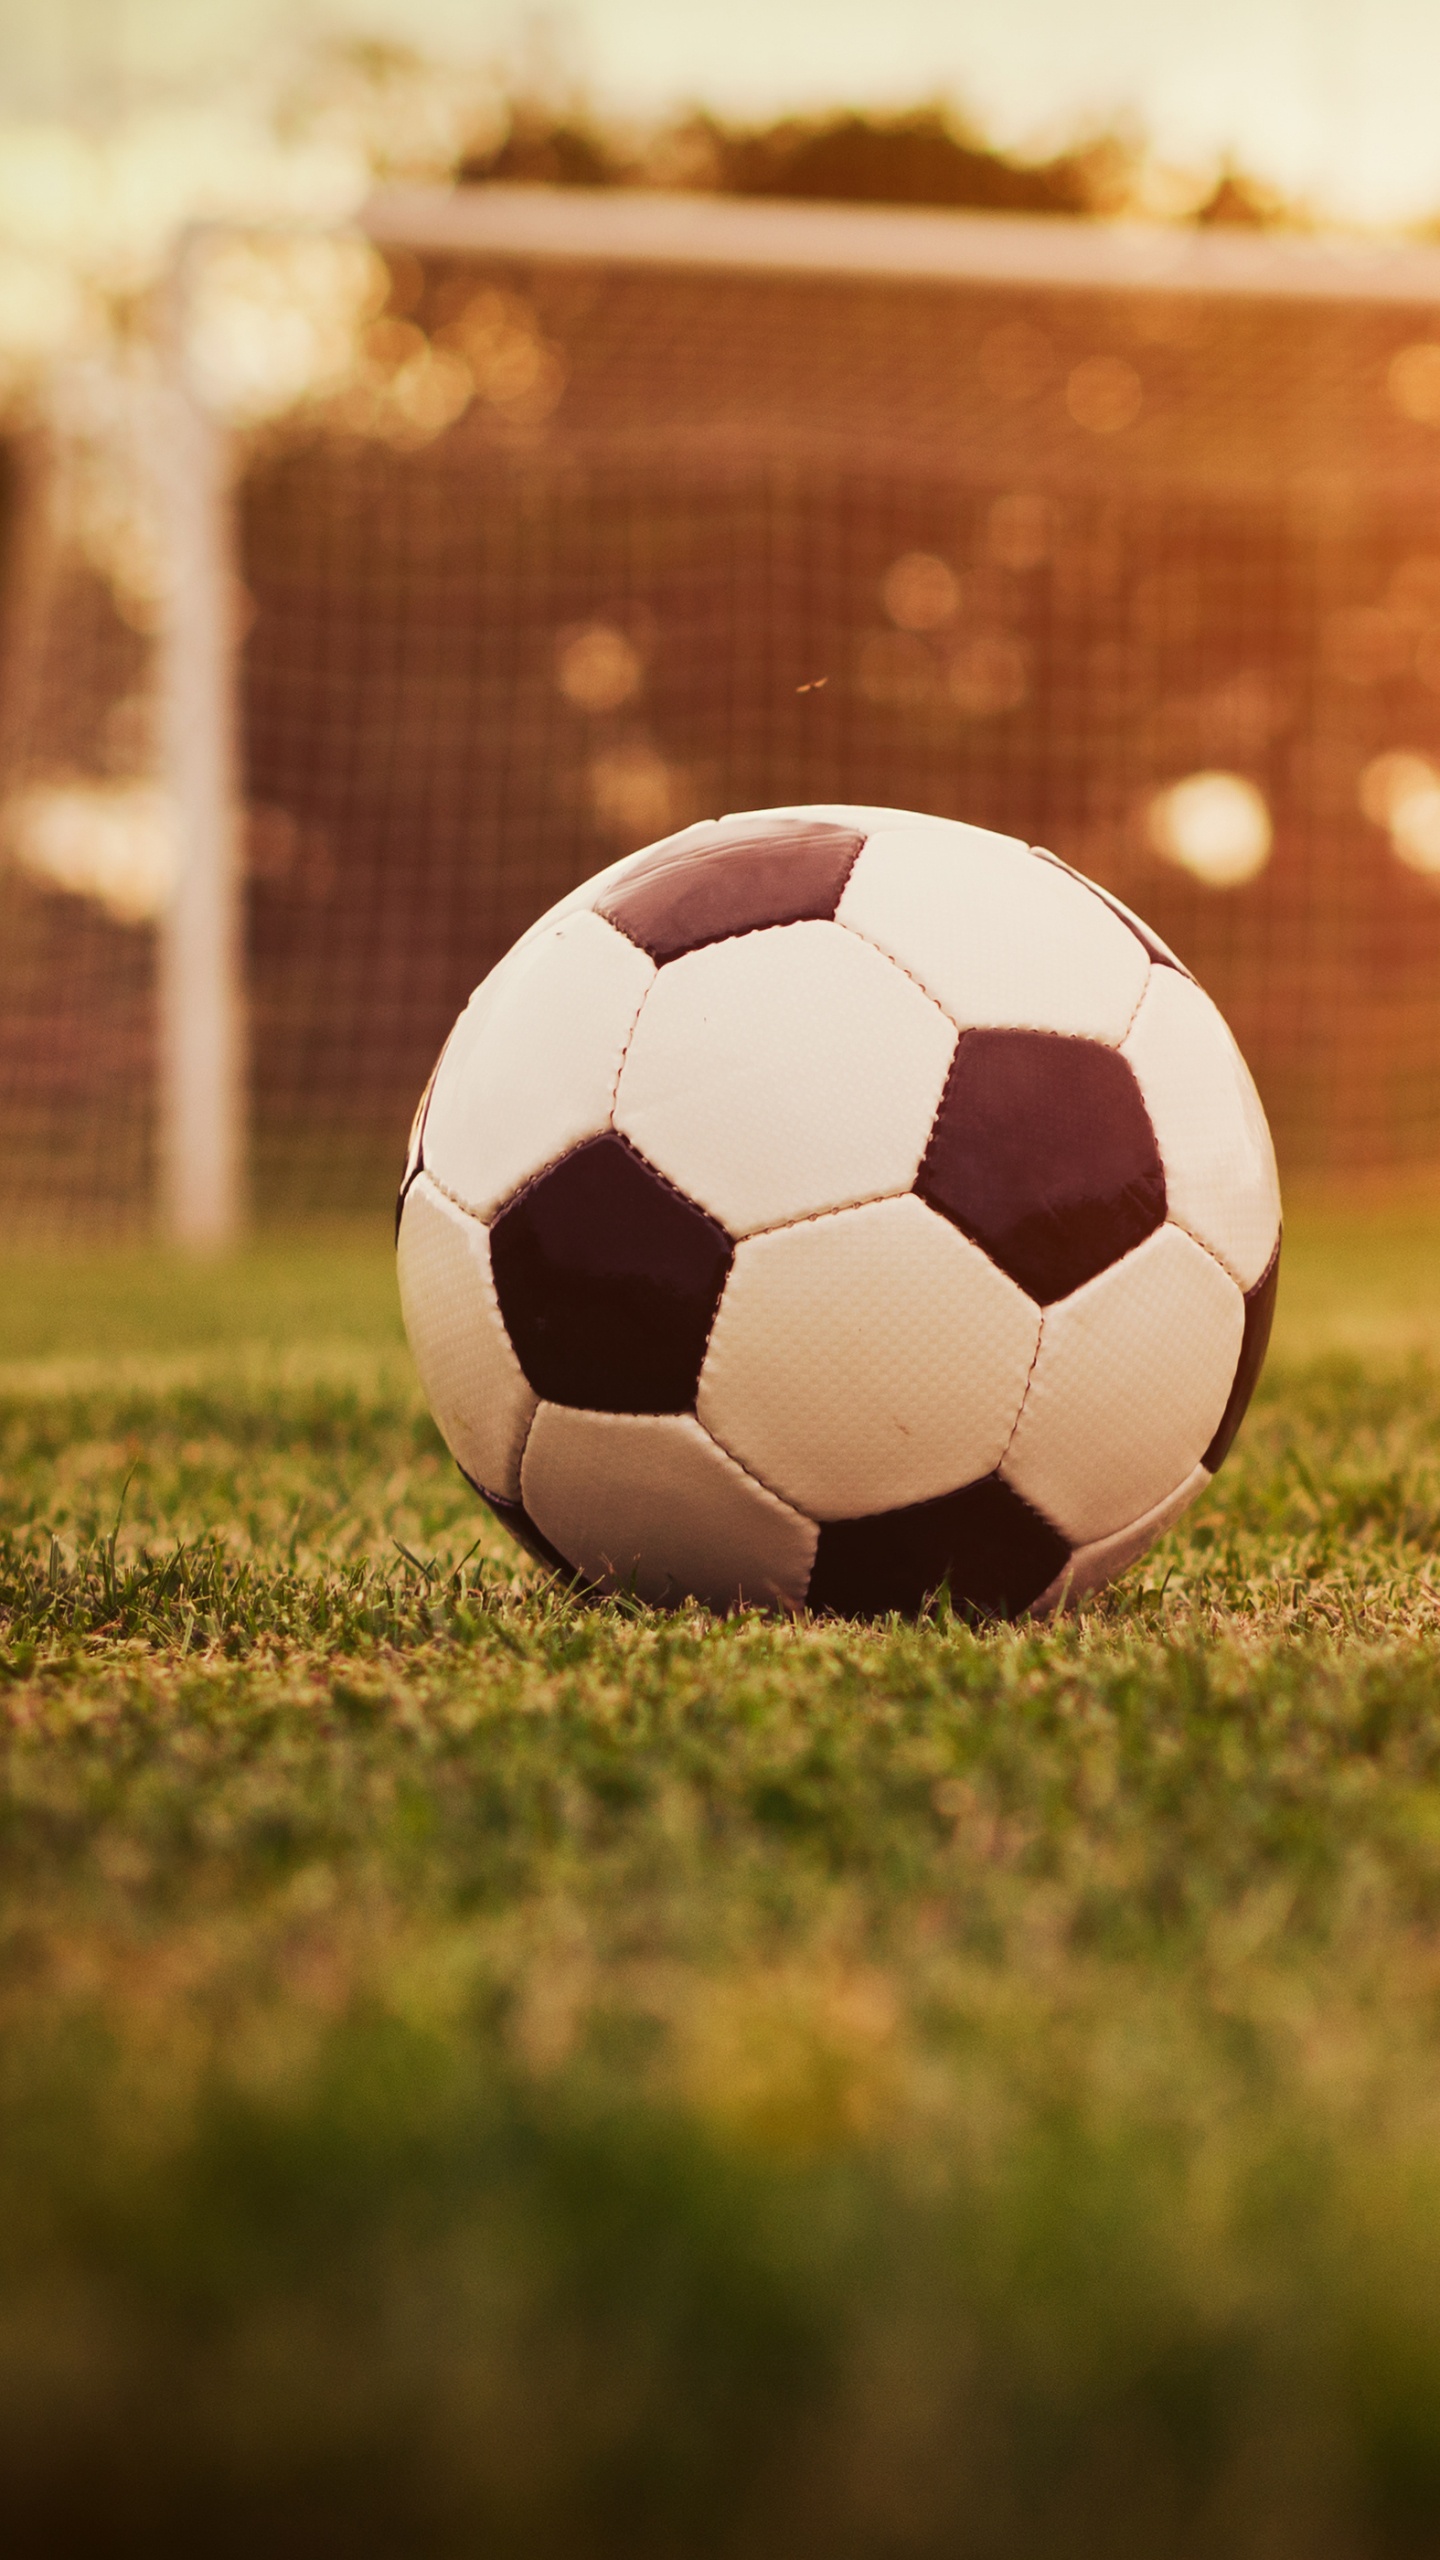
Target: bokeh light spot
(278,321)
(987,675)
(597,668)
(1413,382)
(514,368)
(1018,530)
(115,842)
(896,670)
(1400,791)
(1216,826)
(920,591)
(632,792)
(1104,394)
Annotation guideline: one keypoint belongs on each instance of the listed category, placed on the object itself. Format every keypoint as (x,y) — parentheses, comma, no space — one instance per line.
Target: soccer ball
(828,1206)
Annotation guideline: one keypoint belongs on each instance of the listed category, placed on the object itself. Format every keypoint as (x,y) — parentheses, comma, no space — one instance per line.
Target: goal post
(200,1028)
(631,507)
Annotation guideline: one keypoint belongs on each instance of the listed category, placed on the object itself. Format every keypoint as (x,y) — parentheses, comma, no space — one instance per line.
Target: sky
(1329,99)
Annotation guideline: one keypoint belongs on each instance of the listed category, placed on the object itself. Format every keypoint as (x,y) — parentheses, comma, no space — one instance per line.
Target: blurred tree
(922,157)
(542,149)
(1242,203)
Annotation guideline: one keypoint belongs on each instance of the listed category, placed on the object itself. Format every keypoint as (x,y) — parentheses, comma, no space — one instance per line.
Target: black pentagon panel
(608,1281)
(1163,957)
(791,871)
(514,1517)
(1042,1152)
(985,1542)
(1254,1343)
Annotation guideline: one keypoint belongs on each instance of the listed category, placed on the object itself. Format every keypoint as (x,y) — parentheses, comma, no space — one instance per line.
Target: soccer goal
(446,558)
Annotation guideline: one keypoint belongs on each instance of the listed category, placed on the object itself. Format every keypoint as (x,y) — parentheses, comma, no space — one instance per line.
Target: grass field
(485,2075)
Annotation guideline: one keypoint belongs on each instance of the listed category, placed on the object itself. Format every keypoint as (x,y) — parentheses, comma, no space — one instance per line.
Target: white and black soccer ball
(829,1205)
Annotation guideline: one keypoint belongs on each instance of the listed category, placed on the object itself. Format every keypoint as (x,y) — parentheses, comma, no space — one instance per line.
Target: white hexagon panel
(868,1359)
(1146,933)
(1129,1388)
(1220,1178)
(999,938)
(530,1067)
(473,1382)
(780,1073)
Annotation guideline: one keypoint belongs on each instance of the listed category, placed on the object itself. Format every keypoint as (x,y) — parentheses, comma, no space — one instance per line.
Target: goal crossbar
(651,227)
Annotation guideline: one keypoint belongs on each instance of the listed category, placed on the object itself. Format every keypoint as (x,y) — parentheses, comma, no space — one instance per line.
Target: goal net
(439,562)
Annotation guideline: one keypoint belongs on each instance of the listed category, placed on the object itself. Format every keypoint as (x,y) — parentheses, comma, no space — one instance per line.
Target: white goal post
(201,996)
(201,1049)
